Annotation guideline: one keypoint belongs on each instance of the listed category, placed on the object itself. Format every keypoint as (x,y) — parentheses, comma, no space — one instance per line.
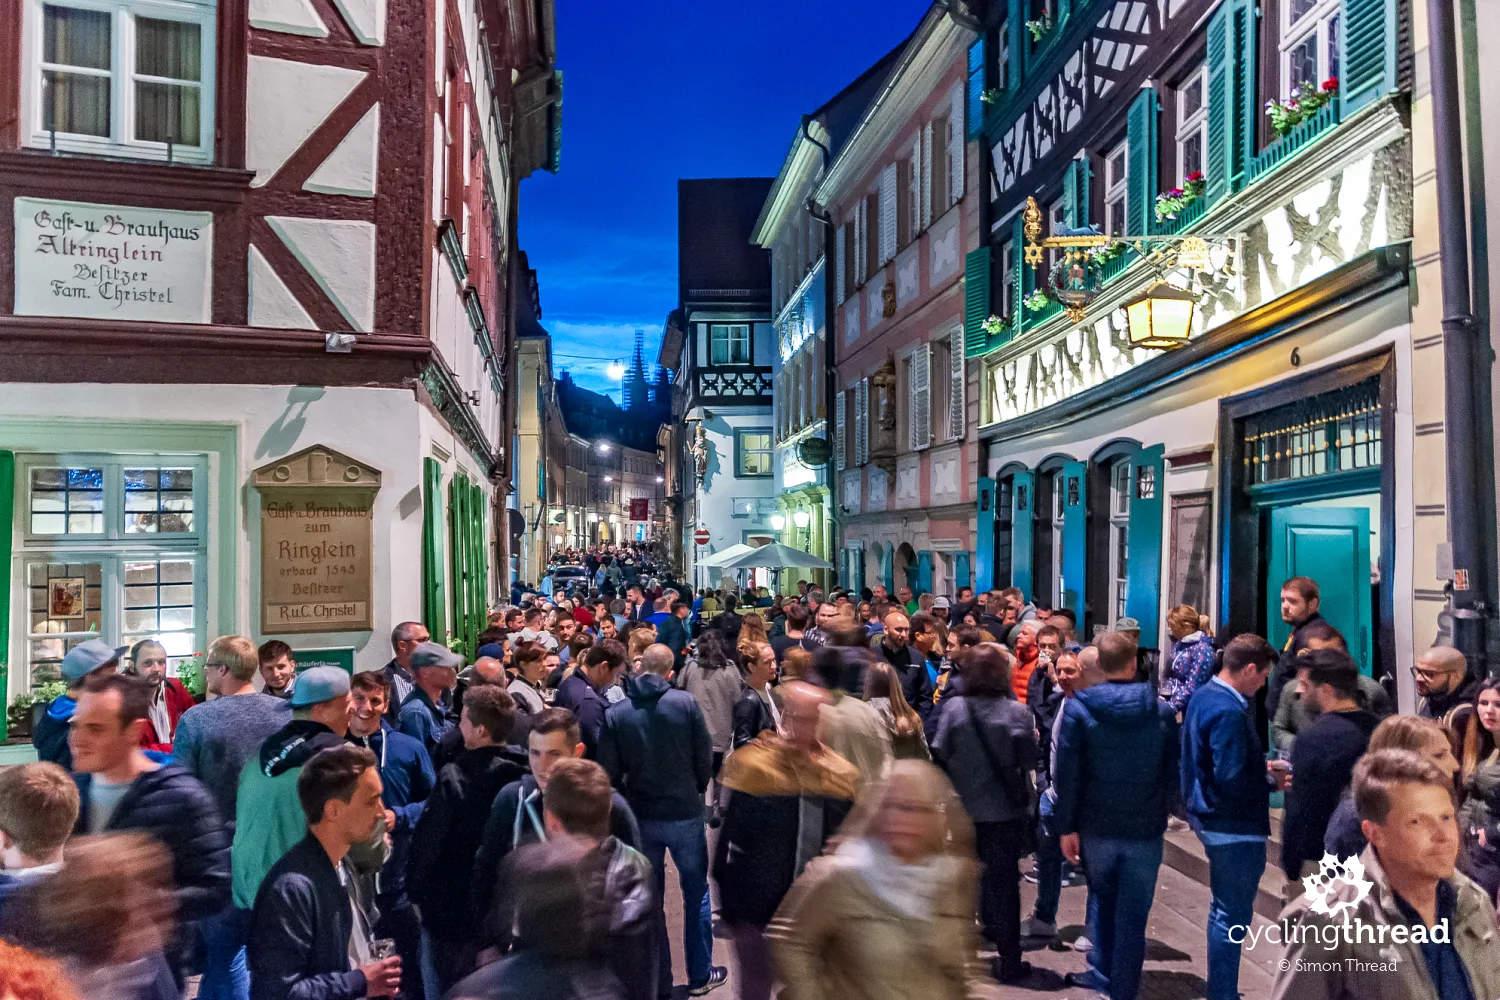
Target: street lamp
(1161,317)
(777,522)
(661,479)
(604,447)
(801,518)
(616,370)
(609,479)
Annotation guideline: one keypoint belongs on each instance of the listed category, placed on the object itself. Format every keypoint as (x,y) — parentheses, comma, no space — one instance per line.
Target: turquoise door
(984,536)
(1022,534)
(1075,536)
(924,573)
(1331,546)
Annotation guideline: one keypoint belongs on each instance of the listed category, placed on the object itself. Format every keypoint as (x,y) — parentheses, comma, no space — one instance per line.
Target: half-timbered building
(1298,427)
(250,247)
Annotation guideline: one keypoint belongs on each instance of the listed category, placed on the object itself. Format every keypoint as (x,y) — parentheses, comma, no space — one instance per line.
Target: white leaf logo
(1332,873)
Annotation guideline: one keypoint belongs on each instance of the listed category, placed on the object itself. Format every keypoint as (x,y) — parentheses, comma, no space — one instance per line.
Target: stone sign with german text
(317,537)
(112,261)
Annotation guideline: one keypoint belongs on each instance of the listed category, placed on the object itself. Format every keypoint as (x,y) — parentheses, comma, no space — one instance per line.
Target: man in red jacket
(169,698)
(1026,658)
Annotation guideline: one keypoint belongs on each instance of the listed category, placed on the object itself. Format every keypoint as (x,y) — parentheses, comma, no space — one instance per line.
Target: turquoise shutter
(976,90)
(1367,60)
(1232,98)
(1076,192)
(977,272)
(433,611)
(1143,553)
(960,571)
(7,537)
(1141,169)
(924,573)
(458,556)
(1075,535)
(888,568)
(984,536)
(1022,533)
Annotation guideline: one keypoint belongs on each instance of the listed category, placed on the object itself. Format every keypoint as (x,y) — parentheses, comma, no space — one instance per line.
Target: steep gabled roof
(715,258)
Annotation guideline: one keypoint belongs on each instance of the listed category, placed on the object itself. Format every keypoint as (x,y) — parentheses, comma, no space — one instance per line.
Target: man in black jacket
(673,633)
(448,835)
(581,691)
(894,646)
(1324,755)
(787,796)
(120,788)
(1299,609)
(657,751)
(303,933)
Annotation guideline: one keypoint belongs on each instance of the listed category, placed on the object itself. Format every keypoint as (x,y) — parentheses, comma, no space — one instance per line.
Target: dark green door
(1330,545)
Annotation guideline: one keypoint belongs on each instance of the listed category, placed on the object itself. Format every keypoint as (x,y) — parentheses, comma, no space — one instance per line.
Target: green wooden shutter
(458,555)
(1076,180)
(976,90)
(1367,62)
(479,574)
(1075,537)
(7,536)
(888,567)
(1143,553)
(1022,533)
(960,570)
(1232,96)
(984,535)
(924,573)
(977,278)
(434,614)
(1141,169)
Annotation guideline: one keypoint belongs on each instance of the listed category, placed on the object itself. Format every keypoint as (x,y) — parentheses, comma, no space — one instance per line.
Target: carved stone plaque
(316,539)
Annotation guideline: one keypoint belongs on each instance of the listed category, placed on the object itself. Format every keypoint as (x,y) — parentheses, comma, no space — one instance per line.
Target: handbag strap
(1014,789)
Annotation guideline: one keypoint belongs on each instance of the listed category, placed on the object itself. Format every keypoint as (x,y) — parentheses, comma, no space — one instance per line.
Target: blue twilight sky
(660,89)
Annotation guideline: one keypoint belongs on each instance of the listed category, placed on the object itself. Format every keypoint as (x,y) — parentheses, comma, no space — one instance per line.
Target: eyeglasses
(216,666)
(1430,675)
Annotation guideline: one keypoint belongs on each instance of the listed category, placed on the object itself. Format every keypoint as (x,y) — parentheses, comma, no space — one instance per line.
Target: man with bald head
(1444,688)
(894,646)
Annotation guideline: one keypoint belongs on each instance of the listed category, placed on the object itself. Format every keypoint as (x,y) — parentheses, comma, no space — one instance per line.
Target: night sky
(662,89)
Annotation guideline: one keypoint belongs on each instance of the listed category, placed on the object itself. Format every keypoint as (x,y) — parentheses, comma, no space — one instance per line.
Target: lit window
(1116,174)
(752,450)
(67,501)
(159,500)
(729,344)
(1007,279)
(127,77)
(1309,43)
(1192,125)
(1119,536)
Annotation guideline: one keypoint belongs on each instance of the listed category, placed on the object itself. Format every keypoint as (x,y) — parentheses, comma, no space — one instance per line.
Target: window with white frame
(121,77)
(114,548)
(1057,220)
(909,207)
(1119,537)
(1059,491)
(1008,279)
(729,344)
(752,452)
(1116,188)
(1309,43)
(1002,57)
(1192,124)
(942,175)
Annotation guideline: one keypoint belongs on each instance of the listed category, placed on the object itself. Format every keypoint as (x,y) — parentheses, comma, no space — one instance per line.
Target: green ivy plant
(1037,301)
(190,672)
(1040,26)
(995,325)
(18,715)
(1105,254)
(991,96)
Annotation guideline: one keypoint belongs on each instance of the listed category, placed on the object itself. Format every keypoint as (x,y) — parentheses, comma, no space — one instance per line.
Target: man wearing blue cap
(434,672)
(84,660)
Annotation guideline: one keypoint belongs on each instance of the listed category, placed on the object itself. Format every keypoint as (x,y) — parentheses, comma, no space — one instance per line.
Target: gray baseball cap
(86,657)
(1126,624)
(435,654)
(319,684)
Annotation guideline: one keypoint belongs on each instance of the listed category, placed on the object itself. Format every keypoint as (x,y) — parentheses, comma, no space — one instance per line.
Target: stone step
(1184,853)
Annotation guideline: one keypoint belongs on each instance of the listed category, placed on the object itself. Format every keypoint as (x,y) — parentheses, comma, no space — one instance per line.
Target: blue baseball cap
(86,657)
(319,684)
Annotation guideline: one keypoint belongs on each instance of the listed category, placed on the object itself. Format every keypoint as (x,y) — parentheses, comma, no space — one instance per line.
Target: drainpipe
(830,376)
(1464,358)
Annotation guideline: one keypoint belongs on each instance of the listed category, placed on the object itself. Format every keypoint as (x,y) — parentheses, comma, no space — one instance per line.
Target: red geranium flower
(1332,83)
(1194,177)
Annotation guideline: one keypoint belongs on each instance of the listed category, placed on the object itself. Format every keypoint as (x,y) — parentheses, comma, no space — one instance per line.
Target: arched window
(1050,485)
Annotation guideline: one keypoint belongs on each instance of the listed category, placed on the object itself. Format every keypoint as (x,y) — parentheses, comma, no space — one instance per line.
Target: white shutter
(838,266)
(919,399)
(840,455)
(860,242)
(888,213)
(913,193)
(956,143)
(926,168)
(861,421)
(956,386)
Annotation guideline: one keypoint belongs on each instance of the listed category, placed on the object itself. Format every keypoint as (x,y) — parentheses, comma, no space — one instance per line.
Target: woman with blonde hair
(1191,663)
(883,692)
(1344,837)
(752,633)
(889,914)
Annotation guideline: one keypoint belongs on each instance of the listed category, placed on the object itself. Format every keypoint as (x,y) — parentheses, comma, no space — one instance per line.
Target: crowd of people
(860,775)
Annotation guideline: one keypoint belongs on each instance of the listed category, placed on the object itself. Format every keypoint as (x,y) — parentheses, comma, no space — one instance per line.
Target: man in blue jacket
(1226,788)
(657,751)
(1115,777)
(424,715)
(406,778)
(83,661)
(582,691)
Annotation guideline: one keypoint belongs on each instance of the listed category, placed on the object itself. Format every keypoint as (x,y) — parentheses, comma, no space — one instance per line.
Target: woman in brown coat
(889,914)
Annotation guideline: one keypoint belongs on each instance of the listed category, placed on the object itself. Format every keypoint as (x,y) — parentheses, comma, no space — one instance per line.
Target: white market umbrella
(776,556)
(725,555)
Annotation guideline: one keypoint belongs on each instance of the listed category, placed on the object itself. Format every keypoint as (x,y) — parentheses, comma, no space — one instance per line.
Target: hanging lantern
(1161,318)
